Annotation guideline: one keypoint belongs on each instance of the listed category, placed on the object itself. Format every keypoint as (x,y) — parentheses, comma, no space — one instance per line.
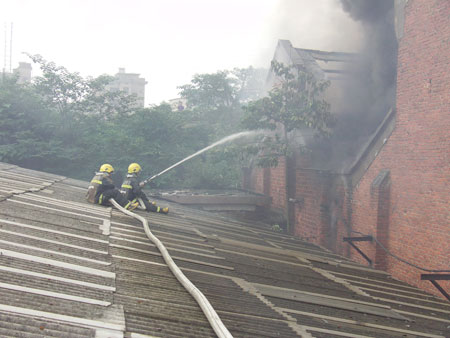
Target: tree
(27,129)
(212,101)
(295,103)
(215,100)
(69,125)
(81,110)
(250,83)
(214,104)
(73,96)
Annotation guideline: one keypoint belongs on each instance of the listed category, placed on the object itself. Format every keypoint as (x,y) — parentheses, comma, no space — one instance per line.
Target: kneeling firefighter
(132,190)
(102,189)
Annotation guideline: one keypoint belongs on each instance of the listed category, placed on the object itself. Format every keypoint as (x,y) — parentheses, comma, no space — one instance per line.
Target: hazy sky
(168,41)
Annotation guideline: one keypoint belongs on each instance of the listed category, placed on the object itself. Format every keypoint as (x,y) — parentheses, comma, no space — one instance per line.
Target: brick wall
(417,154)
(256,181)
(403,199)
(277,185)
(311,210)
(270,182)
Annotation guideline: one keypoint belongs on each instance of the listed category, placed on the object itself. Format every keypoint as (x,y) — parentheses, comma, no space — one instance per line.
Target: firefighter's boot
(163,210)
(131,206)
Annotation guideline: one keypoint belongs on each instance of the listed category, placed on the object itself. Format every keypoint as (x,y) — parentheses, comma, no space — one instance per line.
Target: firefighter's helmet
(106,168)
(134,168)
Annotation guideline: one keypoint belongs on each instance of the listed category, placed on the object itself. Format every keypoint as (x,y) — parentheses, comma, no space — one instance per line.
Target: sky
(167,42)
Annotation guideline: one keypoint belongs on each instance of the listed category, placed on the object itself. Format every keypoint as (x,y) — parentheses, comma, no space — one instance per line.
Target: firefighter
(132,190)
(102,189)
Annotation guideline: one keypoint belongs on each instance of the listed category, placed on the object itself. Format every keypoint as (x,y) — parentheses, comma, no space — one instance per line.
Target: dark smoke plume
(367,10)
(378,67)
(372,85)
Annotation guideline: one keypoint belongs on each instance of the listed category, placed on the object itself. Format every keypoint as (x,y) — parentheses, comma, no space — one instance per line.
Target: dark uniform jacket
(99,184)
(130,188)
(131,191)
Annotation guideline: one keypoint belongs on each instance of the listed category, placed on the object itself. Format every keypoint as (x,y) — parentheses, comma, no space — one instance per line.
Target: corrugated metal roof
(72,269)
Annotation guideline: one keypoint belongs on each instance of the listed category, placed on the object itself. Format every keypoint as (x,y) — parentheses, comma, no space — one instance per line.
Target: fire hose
(224,140)
(212,316)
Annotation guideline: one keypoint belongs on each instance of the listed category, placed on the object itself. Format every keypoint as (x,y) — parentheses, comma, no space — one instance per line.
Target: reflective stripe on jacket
(99,183)
(130,187)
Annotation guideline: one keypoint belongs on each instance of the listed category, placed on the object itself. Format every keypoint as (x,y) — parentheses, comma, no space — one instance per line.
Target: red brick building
(398,187)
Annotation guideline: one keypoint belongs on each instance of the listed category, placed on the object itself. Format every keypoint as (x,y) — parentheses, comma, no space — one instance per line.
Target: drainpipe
(349,196)
(286,180)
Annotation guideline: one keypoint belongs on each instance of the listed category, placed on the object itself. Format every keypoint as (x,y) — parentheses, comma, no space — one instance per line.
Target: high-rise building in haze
(130,83)
(24,72)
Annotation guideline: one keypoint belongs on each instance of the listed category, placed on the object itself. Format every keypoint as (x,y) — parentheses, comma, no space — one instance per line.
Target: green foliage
(26,128)
(211,102)
(73,96)
(294,103)
(249,83)
(208,92)
(214,104)
(276,228)
(218,169)
(158,137)
(214,100)
(69,125)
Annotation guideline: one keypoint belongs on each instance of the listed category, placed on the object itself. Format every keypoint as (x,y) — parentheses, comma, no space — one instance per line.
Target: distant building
(24,71)
(129,83)
(178,104)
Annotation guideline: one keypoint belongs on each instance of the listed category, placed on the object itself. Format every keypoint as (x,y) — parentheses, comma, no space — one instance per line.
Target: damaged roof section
(72,269)
(324,65)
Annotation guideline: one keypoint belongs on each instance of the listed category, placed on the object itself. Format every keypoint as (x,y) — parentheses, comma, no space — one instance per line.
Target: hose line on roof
(212,316)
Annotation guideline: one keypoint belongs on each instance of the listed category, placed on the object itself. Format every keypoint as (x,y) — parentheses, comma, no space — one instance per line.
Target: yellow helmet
(134,168)
(107,168)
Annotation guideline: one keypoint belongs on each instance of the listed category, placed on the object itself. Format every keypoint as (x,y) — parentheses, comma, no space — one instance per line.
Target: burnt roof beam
(330,56)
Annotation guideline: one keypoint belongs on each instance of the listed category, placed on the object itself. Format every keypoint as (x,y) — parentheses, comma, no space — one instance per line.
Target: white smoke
(318,24)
